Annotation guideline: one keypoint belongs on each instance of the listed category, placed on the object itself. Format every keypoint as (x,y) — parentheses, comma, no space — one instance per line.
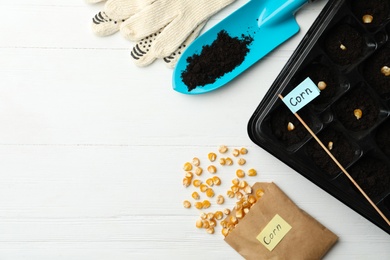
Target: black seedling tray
(354,81)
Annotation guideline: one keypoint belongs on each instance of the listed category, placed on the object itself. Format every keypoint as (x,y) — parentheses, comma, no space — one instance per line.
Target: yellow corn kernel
(226,211)
(203,187)
(210,193)
(198,205)
(195,195)
(196,183)
(239,195)
(210,182)
(240,173)
(213,223)
(222,149)
(189,175)
(216,180)
(196,161)
(242,184)
(238,205)
(252,172)
(220,199)
(186,182)
(199,223)
(235,182)
(251,199)
(210,215)
(222,161)
(206,204)
(225,232)
(233,220)
(230,194)
(229,161)
(210,230)
(235,189)
(358,113)
(239,214)
(203,215)
(212,157)
(198,171)
(259,193)
(187,204)
(243,151)
(187,166)
(206,224)
(241,161)
(223,223)
(290,126)
(246,204)
(212,169)
(246,210)
(218,215)
(236,152)
(248,189)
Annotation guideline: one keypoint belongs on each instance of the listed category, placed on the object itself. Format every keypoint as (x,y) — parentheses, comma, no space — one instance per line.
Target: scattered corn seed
(210,193)
(230,194)
(223,223)
(236,152)
(343,47)
(252,172)
(241,161)
(290,126)
(246,210)
(216,180)
(218,215)
(242,184)
(210,182)
(196,161)
(187,204)
(229,161)
(240,173)
(206,224)
(226,211)
(195,195)
(206,204)
(239,195)
(367,18)
(213,222)
(199,223)
(198,171)
(251,199)
(223,149)
(239,214)
(330,145)
(321,85)
(187,166)
(198,205)
(186,182)
(212,169)
(236,181)
(220,199)
(225,232)
(212,157)
(203,215)
(259,193)
(233,220)
(203,187)
(234,188)
(222,161)
(243,151)
(385,71)
(248,189)
(196,183)
(189,175)
(210,215)
(210,230)
(358,113)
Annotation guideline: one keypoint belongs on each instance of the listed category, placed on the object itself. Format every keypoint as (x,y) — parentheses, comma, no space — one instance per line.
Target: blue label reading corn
(301,95)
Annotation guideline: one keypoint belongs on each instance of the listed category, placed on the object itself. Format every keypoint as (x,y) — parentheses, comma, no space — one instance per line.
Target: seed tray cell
(348,48)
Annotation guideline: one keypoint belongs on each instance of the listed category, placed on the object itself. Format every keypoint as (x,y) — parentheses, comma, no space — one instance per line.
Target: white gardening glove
(169,23)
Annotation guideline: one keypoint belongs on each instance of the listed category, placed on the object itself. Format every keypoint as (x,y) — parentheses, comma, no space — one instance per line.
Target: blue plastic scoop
(268,22)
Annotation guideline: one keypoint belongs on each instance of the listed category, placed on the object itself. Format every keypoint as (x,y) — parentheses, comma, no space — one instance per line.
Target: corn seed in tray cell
(371,12)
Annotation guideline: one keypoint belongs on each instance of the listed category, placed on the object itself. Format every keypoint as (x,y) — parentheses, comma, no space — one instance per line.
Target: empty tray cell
(376,71)
(371,12)
(382,137)
(372,175)
(339,145)
(357,110)
(344,44)
(286,127)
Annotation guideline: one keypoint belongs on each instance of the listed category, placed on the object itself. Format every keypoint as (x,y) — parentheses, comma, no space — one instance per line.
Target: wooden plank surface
(92,146)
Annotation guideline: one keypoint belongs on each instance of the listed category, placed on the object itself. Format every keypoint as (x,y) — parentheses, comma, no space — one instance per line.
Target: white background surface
(92,147)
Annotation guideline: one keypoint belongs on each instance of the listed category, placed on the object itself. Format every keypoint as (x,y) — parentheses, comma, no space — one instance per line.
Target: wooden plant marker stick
(339,165)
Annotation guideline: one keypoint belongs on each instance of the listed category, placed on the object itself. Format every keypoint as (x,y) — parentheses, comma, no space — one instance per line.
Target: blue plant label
(300,96)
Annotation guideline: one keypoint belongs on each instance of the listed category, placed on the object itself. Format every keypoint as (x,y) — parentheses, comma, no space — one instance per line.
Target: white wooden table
(92,147)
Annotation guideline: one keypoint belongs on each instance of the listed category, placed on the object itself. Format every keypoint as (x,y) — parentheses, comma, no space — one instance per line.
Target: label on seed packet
(273,232)
(300,96)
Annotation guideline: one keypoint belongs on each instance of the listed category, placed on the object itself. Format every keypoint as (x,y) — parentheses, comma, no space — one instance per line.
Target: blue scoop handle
(271,21)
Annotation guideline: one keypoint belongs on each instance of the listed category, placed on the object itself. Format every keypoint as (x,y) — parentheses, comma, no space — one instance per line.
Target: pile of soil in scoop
(358,98)
(378,9)
(342,150)
(346,35)
(215,60)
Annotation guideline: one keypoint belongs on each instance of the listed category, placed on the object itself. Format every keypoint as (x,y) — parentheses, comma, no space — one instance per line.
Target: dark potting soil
(372,71)
(345,35)
(378,9)
(317,73)
(279,121)
(215,60)
(372,175)
(342,150)
(382,137)
(357,99)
